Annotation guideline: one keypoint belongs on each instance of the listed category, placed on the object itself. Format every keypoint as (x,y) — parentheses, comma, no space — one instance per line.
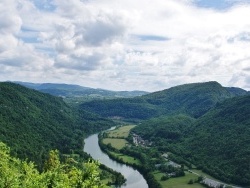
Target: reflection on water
(134,178)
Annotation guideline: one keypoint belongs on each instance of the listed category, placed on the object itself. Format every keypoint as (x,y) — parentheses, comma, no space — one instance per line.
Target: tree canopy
(16,173)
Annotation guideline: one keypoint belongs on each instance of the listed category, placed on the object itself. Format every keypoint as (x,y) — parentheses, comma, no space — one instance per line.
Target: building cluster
(138,141)
(171,163)
(212,183)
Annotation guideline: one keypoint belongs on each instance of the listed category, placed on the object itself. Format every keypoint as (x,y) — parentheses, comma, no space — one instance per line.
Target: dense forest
(217,142)
(165,129)
(32,123)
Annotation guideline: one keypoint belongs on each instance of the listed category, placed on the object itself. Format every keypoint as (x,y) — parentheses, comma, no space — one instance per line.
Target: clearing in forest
(115,142)
(120,132)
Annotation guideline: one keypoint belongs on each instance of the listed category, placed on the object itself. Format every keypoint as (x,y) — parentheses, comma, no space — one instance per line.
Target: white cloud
(121,45)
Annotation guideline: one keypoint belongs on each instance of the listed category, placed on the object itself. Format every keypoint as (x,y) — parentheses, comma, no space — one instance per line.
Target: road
(212,183)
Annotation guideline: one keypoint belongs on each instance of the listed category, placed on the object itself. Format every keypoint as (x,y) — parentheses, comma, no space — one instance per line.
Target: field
(117,137)
(127,159)
(180,182)
(115,142)
(121,132)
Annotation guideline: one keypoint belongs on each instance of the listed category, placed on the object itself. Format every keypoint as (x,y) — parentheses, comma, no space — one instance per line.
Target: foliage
(219,141)
(117,178)
(133,108)
(164,177)
(164,128)
(16,173)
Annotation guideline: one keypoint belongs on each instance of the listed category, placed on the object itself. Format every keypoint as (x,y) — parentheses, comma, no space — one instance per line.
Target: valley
(202,129)
(200,124)
(111,144)
(124,94)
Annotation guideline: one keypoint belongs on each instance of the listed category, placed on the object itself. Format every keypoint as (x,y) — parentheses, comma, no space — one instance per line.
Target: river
(134,178)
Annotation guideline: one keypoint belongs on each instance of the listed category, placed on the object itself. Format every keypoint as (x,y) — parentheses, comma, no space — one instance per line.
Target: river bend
(134,178)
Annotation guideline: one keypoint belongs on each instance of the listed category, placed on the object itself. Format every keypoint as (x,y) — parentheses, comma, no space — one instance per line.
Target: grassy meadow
(127,159)
(117,137)
(115,142)
(180,182)
(120,132)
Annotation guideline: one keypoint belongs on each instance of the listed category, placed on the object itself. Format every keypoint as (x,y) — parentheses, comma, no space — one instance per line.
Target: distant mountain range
(68,90)
(191,99)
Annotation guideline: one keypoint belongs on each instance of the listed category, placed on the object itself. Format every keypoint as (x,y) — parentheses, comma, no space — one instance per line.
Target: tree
(15,173)
(191,181)
(164,177)
(53,161)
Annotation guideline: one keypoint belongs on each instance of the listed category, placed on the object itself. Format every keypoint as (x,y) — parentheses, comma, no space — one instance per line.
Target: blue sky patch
(28,35)
(45,5)
(30,39)
(151,38)
(219,4)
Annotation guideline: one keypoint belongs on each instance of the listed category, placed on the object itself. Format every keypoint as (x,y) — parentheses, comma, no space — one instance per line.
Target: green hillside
(32,123)
(169,129)
(237,91)
(130,108)
(202,123)
(191,99)
(217,142)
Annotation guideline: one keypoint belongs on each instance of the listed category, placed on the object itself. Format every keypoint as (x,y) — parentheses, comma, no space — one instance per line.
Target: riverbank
(134,178)
(118,145)
(114,142)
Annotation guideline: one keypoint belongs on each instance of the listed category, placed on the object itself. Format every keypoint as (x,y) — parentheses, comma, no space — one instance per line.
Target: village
(139,141)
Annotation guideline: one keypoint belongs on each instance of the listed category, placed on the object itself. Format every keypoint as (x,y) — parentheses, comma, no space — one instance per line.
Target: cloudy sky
(125,44)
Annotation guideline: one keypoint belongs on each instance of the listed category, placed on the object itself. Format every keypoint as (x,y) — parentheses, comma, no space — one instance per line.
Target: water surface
(134,178)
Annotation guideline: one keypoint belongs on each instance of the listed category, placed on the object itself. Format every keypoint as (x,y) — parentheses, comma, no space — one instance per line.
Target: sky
(125,44)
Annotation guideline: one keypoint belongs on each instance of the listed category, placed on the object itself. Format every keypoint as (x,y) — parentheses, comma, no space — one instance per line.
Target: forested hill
(217,142)
(32,123)
(191,99)
(237,91)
